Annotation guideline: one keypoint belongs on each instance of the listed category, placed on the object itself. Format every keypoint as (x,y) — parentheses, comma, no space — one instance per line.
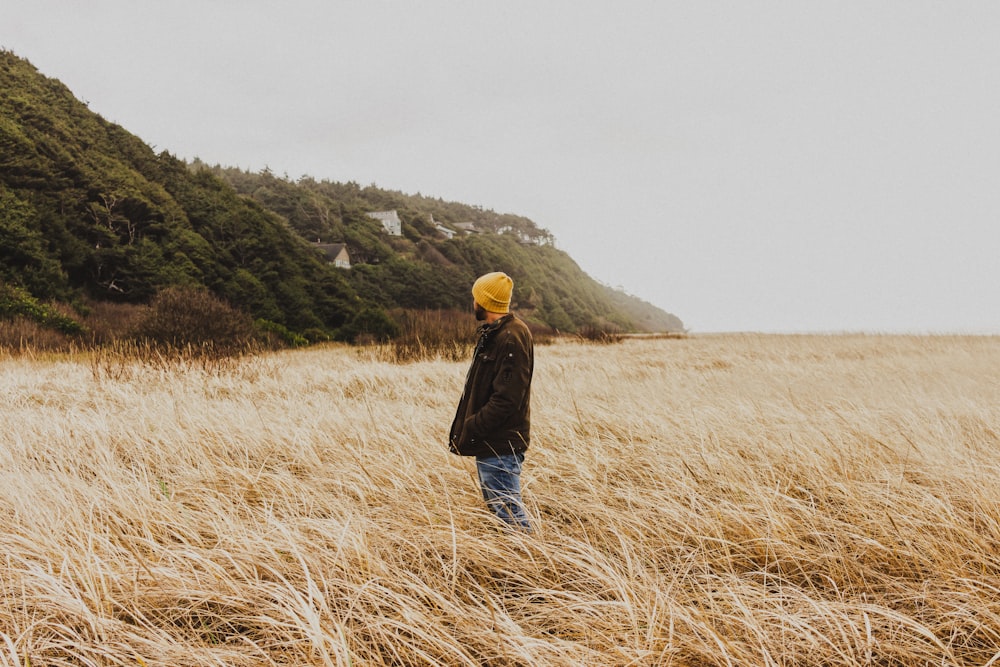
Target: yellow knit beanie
(493,291)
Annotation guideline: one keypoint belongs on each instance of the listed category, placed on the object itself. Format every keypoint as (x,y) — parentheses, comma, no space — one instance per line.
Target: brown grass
(722,500)
(429,334)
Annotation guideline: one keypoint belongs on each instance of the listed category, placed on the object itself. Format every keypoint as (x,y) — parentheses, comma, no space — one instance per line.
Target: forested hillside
(89,213)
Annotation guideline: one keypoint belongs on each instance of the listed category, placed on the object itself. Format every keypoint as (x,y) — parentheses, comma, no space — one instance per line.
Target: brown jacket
(493,416)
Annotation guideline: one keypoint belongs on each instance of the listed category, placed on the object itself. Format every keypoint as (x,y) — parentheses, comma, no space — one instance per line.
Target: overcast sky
(748,166)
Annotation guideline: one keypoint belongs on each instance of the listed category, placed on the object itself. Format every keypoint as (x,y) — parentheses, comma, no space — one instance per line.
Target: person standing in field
(493,419)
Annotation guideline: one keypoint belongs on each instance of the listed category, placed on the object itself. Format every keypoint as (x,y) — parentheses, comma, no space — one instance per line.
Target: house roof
(384,215)
(331,250)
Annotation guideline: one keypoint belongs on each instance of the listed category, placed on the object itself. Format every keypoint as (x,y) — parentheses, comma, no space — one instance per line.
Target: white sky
(770,166)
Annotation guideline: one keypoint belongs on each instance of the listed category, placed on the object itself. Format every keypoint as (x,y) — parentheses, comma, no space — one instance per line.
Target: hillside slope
(90,212)
(425,268)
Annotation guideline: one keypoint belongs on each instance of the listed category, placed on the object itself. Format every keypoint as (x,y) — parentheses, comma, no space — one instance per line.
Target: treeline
(425,269)
(90,214)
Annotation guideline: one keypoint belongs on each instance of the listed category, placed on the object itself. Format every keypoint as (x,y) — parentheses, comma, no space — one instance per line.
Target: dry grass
(730,500)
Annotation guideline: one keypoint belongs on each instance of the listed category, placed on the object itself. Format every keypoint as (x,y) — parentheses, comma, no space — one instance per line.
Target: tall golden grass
(719,500)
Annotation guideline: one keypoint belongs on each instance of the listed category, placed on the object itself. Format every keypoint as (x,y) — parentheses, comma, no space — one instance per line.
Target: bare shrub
(439,334)
(601,333)
(108,322)
(542,334)
(429,334)
(21,335)
(197,322)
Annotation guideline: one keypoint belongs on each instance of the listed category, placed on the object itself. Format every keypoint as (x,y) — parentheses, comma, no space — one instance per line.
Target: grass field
(715,500)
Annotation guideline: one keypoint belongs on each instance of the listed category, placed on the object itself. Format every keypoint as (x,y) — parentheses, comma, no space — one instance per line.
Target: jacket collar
(487,329)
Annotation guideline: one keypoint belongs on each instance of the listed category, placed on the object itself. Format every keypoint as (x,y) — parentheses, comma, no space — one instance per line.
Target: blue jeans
(500,480)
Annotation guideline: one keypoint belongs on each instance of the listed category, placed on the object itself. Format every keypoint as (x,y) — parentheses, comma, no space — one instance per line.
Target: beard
(480,313)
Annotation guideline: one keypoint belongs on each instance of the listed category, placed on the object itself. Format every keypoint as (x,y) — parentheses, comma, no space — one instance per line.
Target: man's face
(480,312)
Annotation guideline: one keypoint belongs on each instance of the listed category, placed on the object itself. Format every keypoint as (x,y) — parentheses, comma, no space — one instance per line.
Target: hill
(90,213)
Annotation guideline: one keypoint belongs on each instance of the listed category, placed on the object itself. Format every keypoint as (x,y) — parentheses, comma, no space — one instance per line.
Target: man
(493,417)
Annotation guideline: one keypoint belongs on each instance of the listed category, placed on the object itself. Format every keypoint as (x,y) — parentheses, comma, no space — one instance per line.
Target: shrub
(315,335)
(428,334)
(108,322)
(16,302)
(542,334)
(605,334)
(22,335)
(439,334)
(195,319)
(369,325)
(275,335)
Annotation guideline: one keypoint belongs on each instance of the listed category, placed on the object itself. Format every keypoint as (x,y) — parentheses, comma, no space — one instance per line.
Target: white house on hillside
(390,221)
(468,227)
(336,254)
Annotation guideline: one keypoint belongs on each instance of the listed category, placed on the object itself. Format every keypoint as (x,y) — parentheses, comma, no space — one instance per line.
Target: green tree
(24,260)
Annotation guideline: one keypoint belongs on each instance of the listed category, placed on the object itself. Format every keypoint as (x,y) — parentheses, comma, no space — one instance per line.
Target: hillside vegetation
(698,502)
(91,214)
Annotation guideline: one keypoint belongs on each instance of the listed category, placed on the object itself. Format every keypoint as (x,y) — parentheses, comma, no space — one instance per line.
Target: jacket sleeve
(510,385)
(455,440)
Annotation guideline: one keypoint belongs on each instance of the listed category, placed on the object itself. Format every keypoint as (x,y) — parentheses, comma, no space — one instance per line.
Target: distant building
(390,221)
(336,254)
(468,227)
(447,233)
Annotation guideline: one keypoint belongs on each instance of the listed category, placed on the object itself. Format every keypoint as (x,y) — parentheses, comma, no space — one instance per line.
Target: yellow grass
(721,500)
